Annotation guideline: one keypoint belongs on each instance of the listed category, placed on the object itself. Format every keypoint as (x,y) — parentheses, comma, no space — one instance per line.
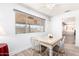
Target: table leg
(50,52)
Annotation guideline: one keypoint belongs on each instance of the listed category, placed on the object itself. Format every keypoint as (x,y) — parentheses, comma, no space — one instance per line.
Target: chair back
(62,42)
(35,44)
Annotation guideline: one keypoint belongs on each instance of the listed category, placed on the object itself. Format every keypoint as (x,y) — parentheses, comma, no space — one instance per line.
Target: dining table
(49,43)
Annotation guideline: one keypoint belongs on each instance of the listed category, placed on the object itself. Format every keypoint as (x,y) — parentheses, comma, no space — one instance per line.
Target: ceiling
(51,9)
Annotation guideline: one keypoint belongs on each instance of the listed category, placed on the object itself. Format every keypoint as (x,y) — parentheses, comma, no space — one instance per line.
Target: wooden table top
(47,40)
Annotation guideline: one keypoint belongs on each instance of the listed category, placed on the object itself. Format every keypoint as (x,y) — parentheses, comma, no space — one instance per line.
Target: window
(26,23)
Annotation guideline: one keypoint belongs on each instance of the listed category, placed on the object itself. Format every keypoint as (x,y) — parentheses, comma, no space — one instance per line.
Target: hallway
(69,45)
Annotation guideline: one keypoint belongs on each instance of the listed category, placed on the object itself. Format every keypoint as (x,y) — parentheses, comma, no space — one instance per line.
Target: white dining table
(49,43)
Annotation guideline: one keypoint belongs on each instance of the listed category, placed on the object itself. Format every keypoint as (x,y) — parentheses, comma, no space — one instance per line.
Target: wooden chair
(37,48)
(62,42)
(62,50)
(44,51)
(59,49)
(56,50)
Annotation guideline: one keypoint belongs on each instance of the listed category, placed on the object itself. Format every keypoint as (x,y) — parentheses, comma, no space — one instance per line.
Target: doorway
(69,30)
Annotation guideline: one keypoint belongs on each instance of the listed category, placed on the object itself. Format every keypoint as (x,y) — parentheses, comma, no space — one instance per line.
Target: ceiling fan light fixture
(50,5)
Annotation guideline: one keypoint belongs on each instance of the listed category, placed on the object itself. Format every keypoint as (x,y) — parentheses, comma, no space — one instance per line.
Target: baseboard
(15,52)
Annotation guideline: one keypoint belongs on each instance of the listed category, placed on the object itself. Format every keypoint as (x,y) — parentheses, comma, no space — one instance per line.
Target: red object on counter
(4,51)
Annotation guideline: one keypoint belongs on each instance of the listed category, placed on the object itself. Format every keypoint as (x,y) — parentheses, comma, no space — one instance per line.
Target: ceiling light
(50,5)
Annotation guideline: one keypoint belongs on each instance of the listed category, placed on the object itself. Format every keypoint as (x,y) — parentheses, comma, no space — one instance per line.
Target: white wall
(56,26)
(16,42)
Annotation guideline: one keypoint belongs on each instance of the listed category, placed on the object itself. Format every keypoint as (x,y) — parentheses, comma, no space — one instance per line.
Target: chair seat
(43,48)
(44,51)
(56,48)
